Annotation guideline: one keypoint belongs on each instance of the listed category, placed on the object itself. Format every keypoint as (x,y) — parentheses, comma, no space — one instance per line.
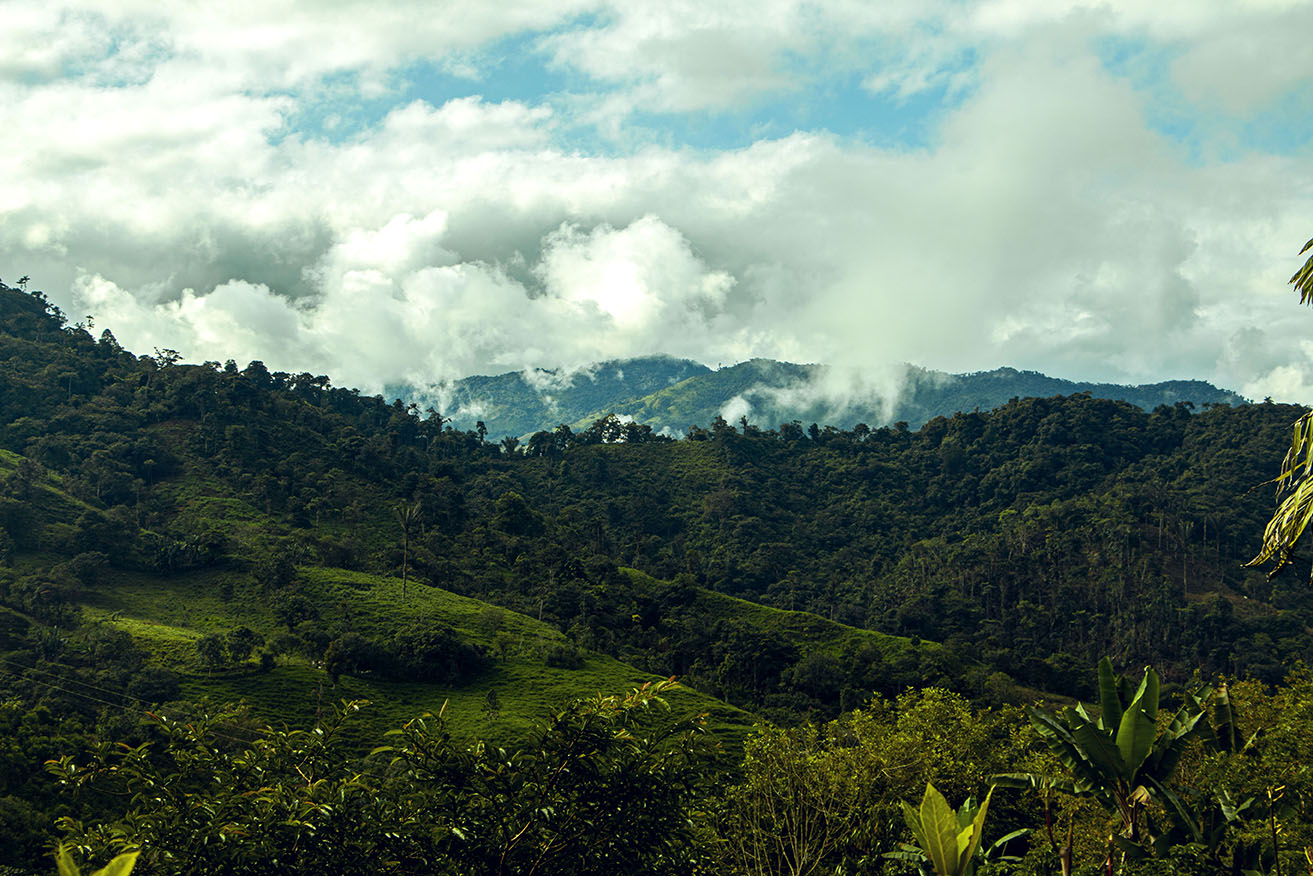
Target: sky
(394,191)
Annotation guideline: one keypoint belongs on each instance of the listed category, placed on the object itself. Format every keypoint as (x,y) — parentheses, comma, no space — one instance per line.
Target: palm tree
(408,517)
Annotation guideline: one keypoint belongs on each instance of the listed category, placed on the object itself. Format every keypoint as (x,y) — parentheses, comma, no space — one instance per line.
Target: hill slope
(1029,540)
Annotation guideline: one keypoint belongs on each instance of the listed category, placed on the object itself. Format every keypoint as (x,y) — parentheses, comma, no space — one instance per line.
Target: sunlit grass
(167,615)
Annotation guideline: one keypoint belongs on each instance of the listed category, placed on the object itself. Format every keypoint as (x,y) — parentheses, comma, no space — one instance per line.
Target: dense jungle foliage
(169,531)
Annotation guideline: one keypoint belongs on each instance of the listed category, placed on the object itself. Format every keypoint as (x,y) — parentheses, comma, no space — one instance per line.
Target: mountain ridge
(671,394)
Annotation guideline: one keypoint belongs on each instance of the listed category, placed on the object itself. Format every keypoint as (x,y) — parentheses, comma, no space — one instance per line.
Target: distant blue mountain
(674,394)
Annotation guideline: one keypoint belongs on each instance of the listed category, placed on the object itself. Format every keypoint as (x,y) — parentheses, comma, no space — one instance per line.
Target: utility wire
(104,690)
(142,709)
(94,699)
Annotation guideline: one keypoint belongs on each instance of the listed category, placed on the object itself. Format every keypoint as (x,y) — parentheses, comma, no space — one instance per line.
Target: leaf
(1109,702)
(1230,811)
(1225,727)
(966,813)
(1124,691)
(907,854)
(1098,748)
(1167,754)
(939,826)
(120,866)
(1147,694)
(1002,843)
(972,835)
(1177,810)
(1063,745)
(1294,511)
(1133,850)
(913,818)
(1035,781)
(1135,737)
(65,863)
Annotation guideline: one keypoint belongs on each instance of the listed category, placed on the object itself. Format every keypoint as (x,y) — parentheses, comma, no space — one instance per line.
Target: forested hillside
(170,530)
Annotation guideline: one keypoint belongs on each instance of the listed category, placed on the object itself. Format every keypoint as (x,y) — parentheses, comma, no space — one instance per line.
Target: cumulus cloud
(161,179)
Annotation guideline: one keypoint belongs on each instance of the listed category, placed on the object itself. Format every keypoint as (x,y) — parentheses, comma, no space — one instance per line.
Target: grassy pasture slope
(167,615)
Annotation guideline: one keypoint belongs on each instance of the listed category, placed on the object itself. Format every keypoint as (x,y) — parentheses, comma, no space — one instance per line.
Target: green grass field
(167,615)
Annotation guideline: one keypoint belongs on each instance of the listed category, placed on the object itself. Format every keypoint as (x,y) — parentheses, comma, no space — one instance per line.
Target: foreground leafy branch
(605,784)
(1295,481)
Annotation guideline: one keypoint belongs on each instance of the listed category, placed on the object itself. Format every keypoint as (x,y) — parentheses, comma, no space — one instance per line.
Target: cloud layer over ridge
(1099,191)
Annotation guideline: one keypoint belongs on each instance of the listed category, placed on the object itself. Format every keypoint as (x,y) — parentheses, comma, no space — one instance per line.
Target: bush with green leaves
(608,784)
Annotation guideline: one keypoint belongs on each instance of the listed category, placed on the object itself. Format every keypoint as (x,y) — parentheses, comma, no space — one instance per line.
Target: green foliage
(603,785)
(121,865)
(948,839)
(813,799)
(1303,278)
(796,806)
(1123,758)
(1034,538)
(1295,482)
(152,512)
(222,795)
(1294,500)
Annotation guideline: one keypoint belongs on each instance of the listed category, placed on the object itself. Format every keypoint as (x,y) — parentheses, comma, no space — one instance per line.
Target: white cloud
(644,278)
(159,182)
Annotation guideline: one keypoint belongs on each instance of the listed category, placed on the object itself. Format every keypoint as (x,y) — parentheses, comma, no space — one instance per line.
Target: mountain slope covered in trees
(1040,535)
(169,531)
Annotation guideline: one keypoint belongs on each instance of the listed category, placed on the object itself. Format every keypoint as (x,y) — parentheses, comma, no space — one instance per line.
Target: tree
(213,797)
(292,610)
(408,517)
(491,705)
(241,642)
(1295,482)
(795,807)
(1126,758)
(606,785)
(212,651)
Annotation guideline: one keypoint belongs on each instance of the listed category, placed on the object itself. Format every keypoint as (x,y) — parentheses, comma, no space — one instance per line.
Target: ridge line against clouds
(1103,191)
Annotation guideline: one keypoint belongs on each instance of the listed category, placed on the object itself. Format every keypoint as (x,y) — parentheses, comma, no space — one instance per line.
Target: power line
(218,734)
(94,699)
(75,680)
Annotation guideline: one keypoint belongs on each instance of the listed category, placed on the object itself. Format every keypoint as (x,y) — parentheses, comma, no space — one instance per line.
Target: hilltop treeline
(1033,538)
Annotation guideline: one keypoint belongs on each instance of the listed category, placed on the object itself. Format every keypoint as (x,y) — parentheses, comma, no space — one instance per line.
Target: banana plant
(121,865)
(1122,758)
(949,841)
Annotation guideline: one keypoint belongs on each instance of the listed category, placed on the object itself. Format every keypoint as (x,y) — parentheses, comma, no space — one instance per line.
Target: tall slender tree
(408,517)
